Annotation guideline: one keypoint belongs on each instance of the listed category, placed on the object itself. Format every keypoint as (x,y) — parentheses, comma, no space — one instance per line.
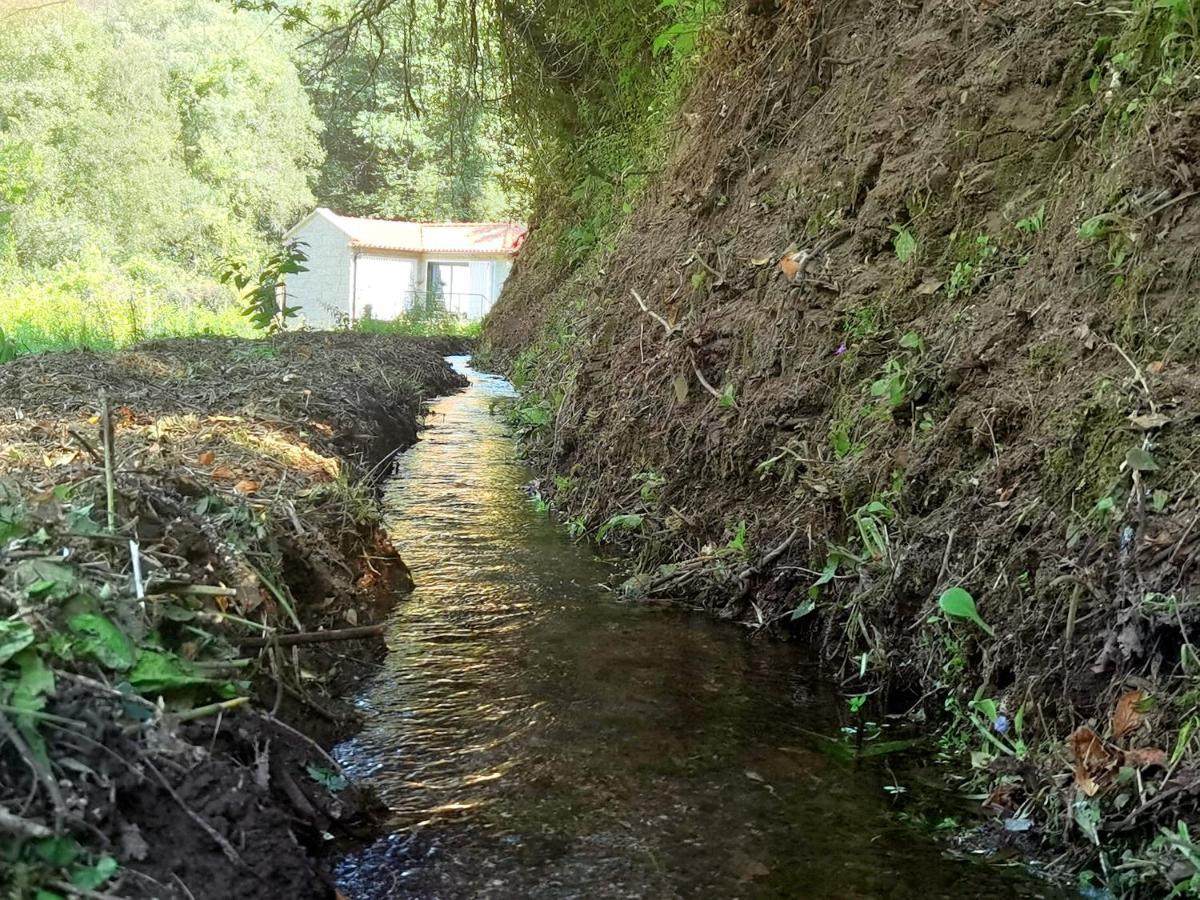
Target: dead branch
(667,326)
(315,637)
(14,824)
(227,848)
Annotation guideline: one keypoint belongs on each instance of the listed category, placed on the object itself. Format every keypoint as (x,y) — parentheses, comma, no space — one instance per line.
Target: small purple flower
(841,349)
(1001,724)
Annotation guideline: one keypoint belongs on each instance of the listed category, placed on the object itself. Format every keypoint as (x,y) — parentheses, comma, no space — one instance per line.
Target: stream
(535,738)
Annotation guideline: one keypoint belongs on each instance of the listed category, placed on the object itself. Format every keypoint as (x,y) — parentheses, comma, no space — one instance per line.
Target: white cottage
(375,268)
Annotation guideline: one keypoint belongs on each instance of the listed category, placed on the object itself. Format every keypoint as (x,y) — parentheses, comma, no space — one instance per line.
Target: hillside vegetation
(897,349)
(139,143)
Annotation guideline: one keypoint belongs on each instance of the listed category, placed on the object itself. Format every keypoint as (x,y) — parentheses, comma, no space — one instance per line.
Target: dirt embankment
(914,301)
(161,730)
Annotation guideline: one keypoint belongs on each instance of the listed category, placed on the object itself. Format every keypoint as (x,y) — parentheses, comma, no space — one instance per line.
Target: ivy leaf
(958,604)
(104,641)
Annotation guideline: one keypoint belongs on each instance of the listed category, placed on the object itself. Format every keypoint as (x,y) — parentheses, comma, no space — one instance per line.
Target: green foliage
(101,639)
(893,383)
(408,132)
(957,603)
(620,522)
(139,142)
(651,485)
(15,636)
(968,269)
(9,349)
(1033,224)
(263,299)
(329,779)
(1160,39)
(870,521)
(420,323)
(904,243)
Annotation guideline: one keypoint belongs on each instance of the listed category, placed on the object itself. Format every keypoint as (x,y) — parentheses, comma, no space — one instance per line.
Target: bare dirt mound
(910,309)
(167,681)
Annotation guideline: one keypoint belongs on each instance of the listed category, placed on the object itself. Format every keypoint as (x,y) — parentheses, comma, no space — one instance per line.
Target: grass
(106,311)
(421,325)
(82,305)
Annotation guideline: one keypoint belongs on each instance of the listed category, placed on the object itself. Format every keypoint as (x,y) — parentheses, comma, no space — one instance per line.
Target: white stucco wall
(323,292)
(384,283)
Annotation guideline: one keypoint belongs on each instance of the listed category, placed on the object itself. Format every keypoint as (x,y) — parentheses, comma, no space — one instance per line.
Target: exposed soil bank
(915,302)
(244,472)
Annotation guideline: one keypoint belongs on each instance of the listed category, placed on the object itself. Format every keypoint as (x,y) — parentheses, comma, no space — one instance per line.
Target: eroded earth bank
(908,310)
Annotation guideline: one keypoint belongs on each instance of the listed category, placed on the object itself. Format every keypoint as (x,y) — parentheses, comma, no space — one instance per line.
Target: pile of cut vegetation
(191,561)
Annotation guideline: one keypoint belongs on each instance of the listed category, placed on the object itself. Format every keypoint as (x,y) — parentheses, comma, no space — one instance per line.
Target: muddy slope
(160,733)
(919,310)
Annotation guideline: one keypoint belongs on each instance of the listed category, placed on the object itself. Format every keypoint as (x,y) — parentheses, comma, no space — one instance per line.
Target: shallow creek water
(535,738)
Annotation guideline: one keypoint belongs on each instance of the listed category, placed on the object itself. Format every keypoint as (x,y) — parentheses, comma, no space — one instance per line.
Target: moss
(1048,359)
(1087,446)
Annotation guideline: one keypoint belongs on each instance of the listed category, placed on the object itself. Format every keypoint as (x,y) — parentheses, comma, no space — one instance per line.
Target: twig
(227,848)
(41,773)
(203,590)
(75,891)
(315,637)
(284,726)
(201,711)
(1167,203)
(86,445)
(1136,371)
(720,276)
(667,326)
(704,381)
(14,824)
(1072,611)
(107,436)
(770,557)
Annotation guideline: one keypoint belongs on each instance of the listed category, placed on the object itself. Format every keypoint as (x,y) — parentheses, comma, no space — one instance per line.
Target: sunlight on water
(534,738)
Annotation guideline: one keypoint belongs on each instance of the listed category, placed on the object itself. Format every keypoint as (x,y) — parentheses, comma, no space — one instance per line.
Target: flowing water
(535,738)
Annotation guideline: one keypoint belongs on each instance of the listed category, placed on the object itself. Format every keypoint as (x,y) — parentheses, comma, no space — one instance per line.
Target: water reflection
(535,739)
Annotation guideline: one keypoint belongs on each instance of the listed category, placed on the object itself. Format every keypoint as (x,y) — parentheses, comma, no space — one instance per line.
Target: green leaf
(104,641)
(91,877)
(45,576)
(1096,227)
(911,341)
(625,522)
(15,636)
(904,243)
(331,780)
(958,604)
(156,672)
(35,681)
(727,397)
(1140,460)
(805,607)
(58,851)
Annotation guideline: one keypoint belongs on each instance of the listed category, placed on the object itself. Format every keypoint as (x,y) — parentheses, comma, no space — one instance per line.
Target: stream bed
(535,738)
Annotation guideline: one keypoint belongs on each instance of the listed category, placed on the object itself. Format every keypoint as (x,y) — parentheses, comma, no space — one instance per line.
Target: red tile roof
(472,238)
